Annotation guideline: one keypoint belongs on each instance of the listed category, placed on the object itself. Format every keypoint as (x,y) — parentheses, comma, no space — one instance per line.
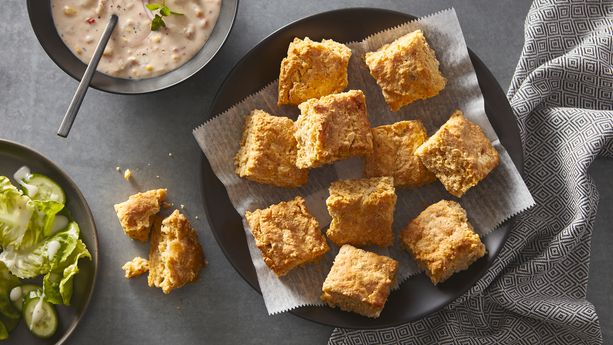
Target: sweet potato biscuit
(406,70)
(332,128)
(459,154)
(362,211)
(442,241)
(312,70)
(135,267)
(359,281)
(394,154)
(287,235)
(136,214)
(268,151)
(175,254)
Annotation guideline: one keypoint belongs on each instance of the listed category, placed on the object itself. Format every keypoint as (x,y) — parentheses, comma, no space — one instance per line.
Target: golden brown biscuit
(136,214)
(175,254)
(312,70)
(406,70)
(393,154)
(135,267)
(287,235)
(442,241)
(359,281)
(362,211)
(332,128)
(459,154)
(268,151)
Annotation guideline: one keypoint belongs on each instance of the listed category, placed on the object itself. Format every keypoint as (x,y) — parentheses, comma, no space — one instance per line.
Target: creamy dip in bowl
(138,59)
(136,51)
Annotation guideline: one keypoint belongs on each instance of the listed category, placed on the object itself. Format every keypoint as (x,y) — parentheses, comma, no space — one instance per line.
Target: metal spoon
(77,99)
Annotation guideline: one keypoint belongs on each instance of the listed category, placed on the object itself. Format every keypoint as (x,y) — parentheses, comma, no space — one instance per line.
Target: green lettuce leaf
(57,284)
(7,283)
(4,333)
(16,210)
(44,256)
(9,315)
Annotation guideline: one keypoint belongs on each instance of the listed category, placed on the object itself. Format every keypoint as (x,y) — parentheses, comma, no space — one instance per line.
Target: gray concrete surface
(139,131)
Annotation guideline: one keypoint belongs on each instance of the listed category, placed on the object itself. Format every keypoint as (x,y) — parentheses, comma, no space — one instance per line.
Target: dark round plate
(13,156)
(42,23)
(417,296)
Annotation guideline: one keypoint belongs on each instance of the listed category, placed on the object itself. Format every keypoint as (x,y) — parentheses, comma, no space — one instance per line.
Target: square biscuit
(406,70)
(442,241)
(268,151)
(175,254)
(136,215)
(362,211)
(332,128)
(312,70)
(393,154)
(287,235)
(459,154)
(359,281)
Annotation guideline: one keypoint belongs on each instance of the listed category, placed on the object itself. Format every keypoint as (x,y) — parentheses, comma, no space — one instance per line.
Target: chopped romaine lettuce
(15,213)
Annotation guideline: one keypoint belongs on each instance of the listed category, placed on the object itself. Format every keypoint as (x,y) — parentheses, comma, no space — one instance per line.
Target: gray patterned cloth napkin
(534,292)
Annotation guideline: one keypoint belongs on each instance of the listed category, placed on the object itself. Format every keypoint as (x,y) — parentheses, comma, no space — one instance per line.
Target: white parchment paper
(501,195)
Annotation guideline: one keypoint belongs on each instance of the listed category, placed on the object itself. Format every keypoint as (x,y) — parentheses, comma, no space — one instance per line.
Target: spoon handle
(77,99)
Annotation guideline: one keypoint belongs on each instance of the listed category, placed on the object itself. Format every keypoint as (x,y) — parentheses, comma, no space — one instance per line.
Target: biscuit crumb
(166,204)
(127,175)
(135,267)
(169,154)
(197,217)
(117,168)
(182,206)
(157,176)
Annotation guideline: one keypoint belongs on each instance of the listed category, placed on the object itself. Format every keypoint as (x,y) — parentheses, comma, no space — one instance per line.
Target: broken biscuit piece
(175,254)
(135,267)
(136,214)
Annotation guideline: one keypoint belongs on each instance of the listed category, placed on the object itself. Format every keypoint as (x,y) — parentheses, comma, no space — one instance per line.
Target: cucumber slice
(45,189)
(40,317)
(25,292)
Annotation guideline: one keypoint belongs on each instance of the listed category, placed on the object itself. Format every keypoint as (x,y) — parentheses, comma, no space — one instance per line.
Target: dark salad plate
(12,157)
(416,297)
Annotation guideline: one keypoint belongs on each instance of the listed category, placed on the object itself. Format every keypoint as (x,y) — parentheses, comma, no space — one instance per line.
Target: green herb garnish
(163,11)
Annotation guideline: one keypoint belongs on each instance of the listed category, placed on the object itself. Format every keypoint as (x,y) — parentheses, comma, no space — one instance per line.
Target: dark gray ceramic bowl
(42,23)
(13,156)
